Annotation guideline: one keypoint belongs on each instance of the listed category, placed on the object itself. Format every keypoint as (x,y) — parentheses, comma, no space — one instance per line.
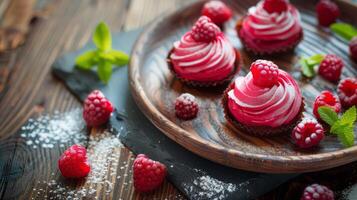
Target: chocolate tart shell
(262,52)
(202,83)
(259,130)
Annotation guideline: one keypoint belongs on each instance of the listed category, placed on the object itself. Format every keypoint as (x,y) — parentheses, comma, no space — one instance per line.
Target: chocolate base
(259,130)
(207,83)
(262,52)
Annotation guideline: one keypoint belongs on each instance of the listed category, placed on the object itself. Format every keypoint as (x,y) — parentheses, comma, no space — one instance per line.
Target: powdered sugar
(57,129)
(206,187)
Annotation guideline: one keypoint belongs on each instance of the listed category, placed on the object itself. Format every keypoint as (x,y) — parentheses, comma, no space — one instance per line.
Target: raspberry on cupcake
(266,101)
(270,27)
(203,56)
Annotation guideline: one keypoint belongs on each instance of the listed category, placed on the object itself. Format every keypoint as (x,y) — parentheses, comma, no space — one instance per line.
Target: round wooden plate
(154,89)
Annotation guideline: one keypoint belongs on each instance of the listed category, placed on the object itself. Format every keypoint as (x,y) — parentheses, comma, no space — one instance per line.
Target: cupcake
(267,101)
(270,27)
(203,56)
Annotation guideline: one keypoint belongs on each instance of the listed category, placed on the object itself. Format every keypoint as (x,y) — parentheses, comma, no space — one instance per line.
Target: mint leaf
(315,59)
(87,60)
(328,115)
(104,71)
(344,30)
(349,117)
(307,70)
(345,135)
(102,37)
(119,58)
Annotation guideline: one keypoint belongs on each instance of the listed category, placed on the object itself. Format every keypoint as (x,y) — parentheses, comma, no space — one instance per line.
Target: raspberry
(148,174)
(327,12)
(277,6)
(331,67)
(353,48)
(204,30)
(347,92)
(186,106)
(265,73)
(317,192)
(97,109)
(73,162)
(326,98)
(217,11)
(307,133)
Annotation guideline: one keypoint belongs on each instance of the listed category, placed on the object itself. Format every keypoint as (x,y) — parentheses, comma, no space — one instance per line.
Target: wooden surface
(27,89)
(210,135)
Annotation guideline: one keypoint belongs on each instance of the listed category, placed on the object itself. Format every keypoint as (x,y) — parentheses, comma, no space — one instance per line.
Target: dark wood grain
(209,135)
(29,90)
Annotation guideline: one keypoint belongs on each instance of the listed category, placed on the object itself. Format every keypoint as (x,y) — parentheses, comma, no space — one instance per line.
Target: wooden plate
(154,88)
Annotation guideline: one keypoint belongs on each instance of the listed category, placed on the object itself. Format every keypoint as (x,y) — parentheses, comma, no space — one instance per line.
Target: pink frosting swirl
(257,106)
(203,61)
(263,30)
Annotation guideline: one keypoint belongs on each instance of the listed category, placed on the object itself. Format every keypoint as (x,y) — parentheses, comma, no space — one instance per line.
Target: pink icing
(203,61)
(257,106)
(269,31)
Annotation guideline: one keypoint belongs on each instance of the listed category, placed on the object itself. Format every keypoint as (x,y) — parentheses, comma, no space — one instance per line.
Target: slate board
(196,177)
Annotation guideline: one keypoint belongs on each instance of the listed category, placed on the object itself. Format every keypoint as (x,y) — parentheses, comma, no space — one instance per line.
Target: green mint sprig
(308,64)
(344,30)
(104,57)
(342,126)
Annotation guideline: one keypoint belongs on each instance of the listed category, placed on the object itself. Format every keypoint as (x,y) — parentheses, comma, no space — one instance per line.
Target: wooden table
(27,89)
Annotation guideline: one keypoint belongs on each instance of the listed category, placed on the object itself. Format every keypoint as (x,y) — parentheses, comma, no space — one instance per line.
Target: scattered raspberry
(317,192)
(97,109)
(204,30)
(308,133)
(347,92)
(277,6)
(217,11)
(148,174)
(186,106)
(73,162)
(331,67)
(327,12)
(353,48)
(265,73)
(326,98)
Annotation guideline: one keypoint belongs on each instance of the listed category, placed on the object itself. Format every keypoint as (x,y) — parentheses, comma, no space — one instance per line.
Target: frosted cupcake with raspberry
(270,27)
(266,101)
(203,56)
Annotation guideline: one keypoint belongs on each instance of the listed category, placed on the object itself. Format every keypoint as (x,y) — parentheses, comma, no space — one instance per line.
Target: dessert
(203,56)
(347,92)
(308,133)
(217,11)
(326,98)
(331,67)
(266,101)
(270,27)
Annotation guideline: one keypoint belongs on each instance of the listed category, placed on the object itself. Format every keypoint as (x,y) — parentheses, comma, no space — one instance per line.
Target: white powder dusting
(206,187)
(103,153)
(58,129)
